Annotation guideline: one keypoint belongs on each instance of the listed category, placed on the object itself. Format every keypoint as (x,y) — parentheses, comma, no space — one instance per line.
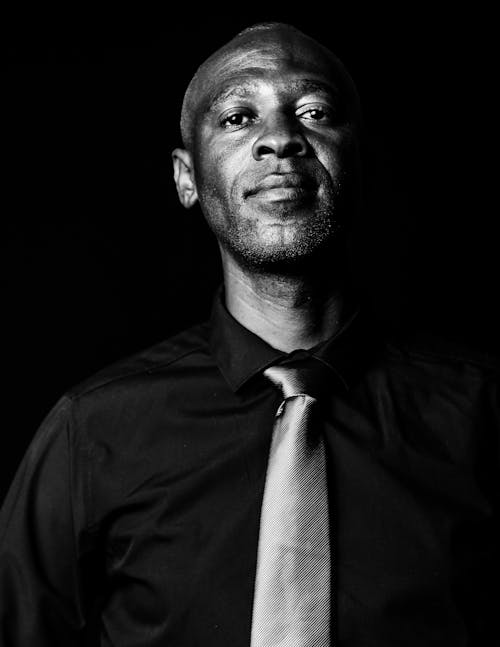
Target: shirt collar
(240,354)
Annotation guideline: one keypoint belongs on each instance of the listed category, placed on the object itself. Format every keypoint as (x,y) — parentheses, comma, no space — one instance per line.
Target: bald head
(264,38)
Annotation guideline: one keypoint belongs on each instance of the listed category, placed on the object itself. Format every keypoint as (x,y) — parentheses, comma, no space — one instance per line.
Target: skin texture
(271,122)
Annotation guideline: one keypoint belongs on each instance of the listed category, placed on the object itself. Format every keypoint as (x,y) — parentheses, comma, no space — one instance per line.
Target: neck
(288,312)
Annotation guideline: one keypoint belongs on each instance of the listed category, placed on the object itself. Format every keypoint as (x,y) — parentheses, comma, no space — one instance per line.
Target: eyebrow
(242,90)
(245,89)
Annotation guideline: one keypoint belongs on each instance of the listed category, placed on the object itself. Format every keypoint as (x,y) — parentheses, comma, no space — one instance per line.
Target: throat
(288,313)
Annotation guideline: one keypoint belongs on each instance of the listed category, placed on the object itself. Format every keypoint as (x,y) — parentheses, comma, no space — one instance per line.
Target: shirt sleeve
(40,594)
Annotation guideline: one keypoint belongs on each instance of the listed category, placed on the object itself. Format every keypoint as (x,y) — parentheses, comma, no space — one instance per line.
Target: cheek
(209,175)
(339,158)
(218,170)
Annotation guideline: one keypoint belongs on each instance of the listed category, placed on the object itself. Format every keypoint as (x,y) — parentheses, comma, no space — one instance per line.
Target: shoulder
(429,366)
(441,353)
(148,362)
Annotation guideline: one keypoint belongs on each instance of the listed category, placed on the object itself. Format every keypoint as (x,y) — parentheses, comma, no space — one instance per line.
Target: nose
(280,137)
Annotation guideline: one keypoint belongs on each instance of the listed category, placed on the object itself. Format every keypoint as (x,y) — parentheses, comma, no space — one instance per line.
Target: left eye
(314,114)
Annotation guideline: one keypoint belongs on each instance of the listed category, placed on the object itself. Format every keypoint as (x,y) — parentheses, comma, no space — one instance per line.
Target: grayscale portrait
(253,392)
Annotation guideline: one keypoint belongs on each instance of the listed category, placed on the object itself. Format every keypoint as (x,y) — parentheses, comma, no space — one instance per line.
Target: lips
(282,184)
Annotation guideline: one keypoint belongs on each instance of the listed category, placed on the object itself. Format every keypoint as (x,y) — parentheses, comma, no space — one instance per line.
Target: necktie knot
(306,378)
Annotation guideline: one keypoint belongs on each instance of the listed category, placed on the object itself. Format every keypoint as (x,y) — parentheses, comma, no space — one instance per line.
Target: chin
(278,255)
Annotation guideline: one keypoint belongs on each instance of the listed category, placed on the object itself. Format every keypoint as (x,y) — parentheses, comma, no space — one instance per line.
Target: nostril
(296,147)
(265,150)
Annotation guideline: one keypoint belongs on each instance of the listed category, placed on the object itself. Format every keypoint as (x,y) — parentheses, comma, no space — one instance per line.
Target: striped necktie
(292,588)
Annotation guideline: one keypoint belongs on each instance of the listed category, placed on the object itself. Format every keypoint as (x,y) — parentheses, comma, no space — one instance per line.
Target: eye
(235,119)
(321,114)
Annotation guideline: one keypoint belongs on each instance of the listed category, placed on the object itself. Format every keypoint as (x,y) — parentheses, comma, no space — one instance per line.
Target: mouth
(278,187)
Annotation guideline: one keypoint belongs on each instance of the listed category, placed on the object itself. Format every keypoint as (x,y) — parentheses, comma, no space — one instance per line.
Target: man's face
(274,154)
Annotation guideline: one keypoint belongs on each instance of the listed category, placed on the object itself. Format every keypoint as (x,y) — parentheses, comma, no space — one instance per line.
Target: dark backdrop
(98,258)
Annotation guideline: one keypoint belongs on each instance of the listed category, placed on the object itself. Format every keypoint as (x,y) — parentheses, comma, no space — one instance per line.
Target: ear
(184,177)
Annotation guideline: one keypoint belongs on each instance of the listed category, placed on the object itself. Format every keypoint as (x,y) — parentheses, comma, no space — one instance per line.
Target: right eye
(235,119)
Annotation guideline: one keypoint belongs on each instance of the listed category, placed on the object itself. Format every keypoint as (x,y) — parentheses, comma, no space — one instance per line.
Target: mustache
(279,180)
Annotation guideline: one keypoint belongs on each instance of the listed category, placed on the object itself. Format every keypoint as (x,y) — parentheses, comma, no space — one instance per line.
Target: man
(196,494)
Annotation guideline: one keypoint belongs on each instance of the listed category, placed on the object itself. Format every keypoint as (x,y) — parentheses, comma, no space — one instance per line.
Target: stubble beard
(298,239)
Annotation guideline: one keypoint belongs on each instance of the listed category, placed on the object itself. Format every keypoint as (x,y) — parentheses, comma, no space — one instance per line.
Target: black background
(98,258)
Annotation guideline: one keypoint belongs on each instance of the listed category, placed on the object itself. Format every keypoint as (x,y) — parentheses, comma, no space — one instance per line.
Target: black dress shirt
(138,500)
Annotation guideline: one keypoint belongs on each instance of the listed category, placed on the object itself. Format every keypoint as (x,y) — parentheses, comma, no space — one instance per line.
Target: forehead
(249,86)
(277,58)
